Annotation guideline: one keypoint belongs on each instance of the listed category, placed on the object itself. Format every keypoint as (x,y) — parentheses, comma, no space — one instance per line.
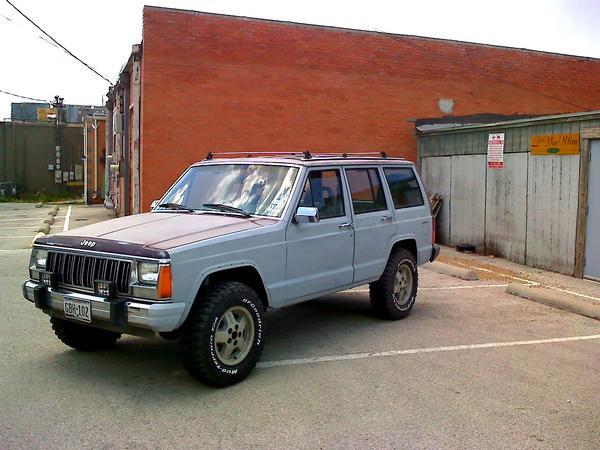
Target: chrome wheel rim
(403,282)
(234,335)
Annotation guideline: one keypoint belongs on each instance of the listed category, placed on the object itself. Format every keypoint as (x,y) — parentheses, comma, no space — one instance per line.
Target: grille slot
(82,270)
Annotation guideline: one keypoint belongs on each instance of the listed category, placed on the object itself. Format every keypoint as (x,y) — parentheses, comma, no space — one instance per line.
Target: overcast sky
(101,33)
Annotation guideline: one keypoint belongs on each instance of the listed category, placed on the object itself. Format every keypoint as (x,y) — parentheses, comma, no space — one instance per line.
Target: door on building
(591,267)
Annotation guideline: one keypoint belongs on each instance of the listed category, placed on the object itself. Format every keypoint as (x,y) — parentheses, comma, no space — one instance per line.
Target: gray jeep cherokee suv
(231,238)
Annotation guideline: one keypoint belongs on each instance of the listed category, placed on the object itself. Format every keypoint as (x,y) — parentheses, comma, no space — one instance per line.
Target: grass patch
(41,197)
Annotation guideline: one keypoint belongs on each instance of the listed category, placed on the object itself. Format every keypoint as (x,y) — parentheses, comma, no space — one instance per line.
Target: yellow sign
(555,144)
(46,114)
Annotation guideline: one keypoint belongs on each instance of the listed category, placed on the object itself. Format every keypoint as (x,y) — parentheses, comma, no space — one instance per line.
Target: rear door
(319,255)
(373,222)
(412,211)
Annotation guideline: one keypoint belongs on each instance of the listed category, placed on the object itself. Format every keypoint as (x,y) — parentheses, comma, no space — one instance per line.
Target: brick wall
(221,83)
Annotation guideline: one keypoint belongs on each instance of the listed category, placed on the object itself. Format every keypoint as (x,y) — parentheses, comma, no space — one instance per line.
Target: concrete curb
(453,271)
(39,234)
(555,299)
(44,228)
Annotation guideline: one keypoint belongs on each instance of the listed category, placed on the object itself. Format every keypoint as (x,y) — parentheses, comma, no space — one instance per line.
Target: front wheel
(394,294)
(224,336)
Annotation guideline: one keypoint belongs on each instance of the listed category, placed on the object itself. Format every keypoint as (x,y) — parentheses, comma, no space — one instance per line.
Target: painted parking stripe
(441,288)
(33,219)
(67,220)
(16,237)
(416,351)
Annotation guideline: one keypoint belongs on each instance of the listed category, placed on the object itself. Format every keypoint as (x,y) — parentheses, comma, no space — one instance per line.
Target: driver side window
(323,190)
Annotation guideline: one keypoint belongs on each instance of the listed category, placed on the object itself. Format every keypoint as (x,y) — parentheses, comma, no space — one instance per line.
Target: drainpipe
(95,127)
(124,80)
(85,157)
(109,148)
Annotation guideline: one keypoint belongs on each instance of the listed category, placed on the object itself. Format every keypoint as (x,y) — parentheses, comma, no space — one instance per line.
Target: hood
(159,231)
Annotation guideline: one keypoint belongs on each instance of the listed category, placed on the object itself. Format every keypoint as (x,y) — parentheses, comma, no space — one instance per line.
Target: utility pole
(58,105)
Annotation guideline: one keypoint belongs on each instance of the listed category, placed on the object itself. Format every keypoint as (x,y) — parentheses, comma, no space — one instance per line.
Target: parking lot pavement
(19,221)
(471,367)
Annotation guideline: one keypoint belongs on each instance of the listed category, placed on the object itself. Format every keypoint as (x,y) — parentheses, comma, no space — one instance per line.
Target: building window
(366,190)
(404,187)
(323,190)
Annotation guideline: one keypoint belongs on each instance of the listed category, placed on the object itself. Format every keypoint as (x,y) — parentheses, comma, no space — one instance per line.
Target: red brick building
(204,82)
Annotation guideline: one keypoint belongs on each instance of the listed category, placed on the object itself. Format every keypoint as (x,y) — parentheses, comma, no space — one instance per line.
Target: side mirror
(154,204)
(306,214)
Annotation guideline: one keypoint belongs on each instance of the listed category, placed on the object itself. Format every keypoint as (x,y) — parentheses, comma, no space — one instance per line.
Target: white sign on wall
(495,151)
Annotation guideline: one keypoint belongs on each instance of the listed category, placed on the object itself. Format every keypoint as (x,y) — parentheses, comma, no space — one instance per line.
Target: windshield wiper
(226,208)
(176,206)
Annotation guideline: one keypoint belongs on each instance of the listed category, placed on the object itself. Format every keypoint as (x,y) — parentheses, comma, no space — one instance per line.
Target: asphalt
(332,385)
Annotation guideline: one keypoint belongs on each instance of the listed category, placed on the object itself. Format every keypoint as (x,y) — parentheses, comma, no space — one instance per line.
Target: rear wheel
(394,294)
(82,337)
(224,336)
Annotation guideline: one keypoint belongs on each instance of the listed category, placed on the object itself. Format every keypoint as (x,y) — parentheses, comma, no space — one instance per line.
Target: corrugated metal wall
(526,212)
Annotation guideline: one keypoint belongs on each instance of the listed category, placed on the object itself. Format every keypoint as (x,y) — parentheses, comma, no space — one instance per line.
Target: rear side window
(404,187)
(366,190)
(323,190)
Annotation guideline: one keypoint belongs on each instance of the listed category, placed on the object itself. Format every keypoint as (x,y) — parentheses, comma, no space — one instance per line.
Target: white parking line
(442,288)
(415,351)
(15,237)
(67,220)
(29,218)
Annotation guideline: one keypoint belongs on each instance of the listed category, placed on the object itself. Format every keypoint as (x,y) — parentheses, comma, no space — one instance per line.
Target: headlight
(147,272)
(40,258)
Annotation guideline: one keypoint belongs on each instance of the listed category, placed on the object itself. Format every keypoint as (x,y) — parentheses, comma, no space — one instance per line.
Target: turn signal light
(164,282)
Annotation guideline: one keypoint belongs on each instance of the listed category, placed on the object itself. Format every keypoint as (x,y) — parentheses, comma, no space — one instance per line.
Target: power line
(25,97)
(59,44)
(474,69)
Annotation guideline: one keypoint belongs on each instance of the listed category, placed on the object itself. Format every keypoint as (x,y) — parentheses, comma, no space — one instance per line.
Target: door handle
(344,225)
(386,219)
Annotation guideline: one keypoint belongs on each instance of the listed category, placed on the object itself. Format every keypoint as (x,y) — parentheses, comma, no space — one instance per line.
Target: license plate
(78,309)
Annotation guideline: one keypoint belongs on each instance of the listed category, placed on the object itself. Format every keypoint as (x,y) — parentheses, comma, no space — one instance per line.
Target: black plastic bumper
(435,252)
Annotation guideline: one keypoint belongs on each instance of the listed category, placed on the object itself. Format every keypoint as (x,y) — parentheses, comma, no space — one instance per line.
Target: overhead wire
(404,41)
(58,43)
(25,97)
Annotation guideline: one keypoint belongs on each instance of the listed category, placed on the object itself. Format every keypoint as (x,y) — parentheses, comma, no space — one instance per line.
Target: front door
(591,268)
(320,254)
(373,222)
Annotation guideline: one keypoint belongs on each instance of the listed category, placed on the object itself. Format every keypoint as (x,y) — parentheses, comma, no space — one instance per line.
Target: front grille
(82,270)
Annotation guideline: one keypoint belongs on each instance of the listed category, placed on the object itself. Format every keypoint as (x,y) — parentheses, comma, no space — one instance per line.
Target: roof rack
(305,155)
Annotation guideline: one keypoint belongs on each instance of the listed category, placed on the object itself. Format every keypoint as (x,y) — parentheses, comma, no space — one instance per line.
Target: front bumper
(119,313)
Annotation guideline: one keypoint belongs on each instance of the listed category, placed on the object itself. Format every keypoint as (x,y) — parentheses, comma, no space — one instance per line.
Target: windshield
(252,188)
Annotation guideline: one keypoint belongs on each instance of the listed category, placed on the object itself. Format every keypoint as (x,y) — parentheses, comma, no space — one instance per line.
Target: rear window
(404,187)
(366,190)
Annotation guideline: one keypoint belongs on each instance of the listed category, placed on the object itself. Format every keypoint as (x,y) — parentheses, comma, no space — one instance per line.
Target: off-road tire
(81,337)
(198,340)
(381,291)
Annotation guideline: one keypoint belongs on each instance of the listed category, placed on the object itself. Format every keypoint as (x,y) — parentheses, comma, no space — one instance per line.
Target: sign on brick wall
(555,144)
(495,151)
